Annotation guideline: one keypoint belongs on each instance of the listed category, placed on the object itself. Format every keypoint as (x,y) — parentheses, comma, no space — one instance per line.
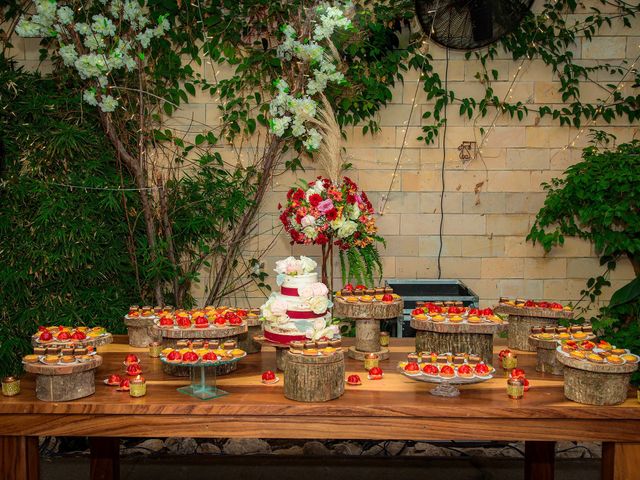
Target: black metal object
(425,290)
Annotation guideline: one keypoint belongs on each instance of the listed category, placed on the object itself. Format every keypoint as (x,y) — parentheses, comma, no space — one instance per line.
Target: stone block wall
(489,202)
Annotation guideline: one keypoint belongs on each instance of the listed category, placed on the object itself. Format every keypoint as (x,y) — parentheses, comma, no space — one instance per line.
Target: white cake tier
(297,281)
(296,304)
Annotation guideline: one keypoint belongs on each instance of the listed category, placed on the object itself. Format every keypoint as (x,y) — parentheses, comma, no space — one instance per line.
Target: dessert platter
(62,336)
(202,363)
(524,314)
(441,327)
(63,374)
(447,370)
(596,373)
(545,340)
(367,307)
(299,312)
(209,322)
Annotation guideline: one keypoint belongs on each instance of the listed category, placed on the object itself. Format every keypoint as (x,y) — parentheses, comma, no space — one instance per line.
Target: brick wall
(489,203)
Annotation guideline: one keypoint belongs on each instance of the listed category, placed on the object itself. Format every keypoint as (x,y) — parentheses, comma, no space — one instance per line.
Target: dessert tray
(601,354)
(62,336)
(446,374)
(532,308)
(456,315)
(203,379)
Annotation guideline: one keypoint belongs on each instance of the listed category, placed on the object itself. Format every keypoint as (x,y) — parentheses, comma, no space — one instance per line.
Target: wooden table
(395,408)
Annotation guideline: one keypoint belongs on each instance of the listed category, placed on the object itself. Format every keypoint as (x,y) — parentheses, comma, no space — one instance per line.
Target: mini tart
(629,358)
(577,354)
(495,319)
(455,319)
(615,359)
(579,335)
(564,336)
(618,351)
(236,352)
(351,299)
(366,298)
(378,297)
(421,317)
(30,358)
(437,318)
(595,358)
(447,372)
(68,359)
(166,351)
(328,351)
(310,351)
(546,336)
(474,319)
(51,359)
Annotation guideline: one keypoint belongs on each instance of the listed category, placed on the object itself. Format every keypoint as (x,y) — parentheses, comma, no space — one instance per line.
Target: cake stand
(140,330)
(456,337)
(104,339)
(281,349)
(203,377)
(171,335)
(547,362)
(63,382)
(446,387)
(367,316)
(521,319)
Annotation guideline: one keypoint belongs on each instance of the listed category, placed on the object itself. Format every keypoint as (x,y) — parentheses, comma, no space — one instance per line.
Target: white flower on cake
(320,329)
(274,310)
(318,304)
(317,289)
(293,266)
(279,308)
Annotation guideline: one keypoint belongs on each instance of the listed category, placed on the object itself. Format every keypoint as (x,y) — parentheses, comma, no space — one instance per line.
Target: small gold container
(154,349)
(137,387)
(515,388)
(371,360)
(10,386)
(509,361)
(384,339)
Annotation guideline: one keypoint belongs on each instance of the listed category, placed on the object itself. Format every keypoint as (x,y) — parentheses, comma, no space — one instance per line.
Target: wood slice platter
(61,383)
(366,310)
(140,330)
(595,384)
(105,339)
(314,378)
(200,333)
(462,327)
(177,370)
(533,312)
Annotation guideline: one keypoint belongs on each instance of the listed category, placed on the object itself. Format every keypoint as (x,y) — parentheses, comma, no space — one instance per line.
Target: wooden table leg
(19,458)
(105,458)
(539,459)
(620,461)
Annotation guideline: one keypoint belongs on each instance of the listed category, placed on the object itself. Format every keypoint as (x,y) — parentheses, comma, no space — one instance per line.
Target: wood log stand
(170,338)
(313,378)
(456,337)
(367,317)
(522,319)
(141,331)
(61,383)
(281,349)
(246,341)
(595,384)
(547,362)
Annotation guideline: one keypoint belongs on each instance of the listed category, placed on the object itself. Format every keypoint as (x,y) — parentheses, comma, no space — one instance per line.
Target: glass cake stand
(203,382)
(446,387)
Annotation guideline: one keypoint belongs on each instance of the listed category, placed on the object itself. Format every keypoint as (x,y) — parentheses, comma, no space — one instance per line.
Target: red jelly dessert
(174,356)
(447,371)
(269,377)
(114,380)
(46,336)
(63,336)
(134,369)
(190,357)
(482,370)
(220,320)
(412,367)
(210,357)
(587,345)
(387,297)
(166,322)
(348,287)
(465,371)
(517,373)
(487,312)
(234,319)
(354,380)
(131,358)
(430,369)
(201,322)
(556,306)
(124,385)
(375,373)
(184,322)
(78,335)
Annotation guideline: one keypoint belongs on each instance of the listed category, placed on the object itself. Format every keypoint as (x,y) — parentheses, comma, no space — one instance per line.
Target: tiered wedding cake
(300,310)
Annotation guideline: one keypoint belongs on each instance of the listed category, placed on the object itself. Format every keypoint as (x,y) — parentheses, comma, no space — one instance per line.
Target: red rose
(315,199)
(331,214)
(298,195)
(290,194)
(322,239)
(351,199)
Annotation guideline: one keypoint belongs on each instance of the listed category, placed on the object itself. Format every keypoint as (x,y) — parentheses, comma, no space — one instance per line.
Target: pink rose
(279,308)
(319,289)
(325,206)
(306,291)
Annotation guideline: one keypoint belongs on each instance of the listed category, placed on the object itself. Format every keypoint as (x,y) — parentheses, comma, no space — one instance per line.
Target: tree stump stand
(61,383)
(521,320)
(367,317)
(140,331)
(595,384)
(444,337)
(547,362)
(313,378)
(246,341)
(170,337)
(281,349)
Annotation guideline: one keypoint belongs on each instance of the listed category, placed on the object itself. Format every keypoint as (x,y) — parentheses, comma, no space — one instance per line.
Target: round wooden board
(533,312)
(383,353)
(448,327)
(596,367)
(552,344)
(87,342)
(365,311)
(186,333)
(59,369)
(138,322)
(252,321)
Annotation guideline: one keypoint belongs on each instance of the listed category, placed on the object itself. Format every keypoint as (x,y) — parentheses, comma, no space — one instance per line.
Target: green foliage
(64,252)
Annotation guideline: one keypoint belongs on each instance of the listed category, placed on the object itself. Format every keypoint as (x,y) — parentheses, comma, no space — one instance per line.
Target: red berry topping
(412,367)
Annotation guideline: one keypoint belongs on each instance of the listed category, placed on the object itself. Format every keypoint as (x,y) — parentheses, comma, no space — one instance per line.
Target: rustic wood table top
(395,407)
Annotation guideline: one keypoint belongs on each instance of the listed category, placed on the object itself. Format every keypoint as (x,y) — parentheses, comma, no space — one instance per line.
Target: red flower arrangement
(324,213)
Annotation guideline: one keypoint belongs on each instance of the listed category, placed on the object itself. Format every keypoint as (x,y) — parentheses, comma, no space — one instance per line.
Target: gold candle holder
(154,349)
(384,339)
(371,360)
(509,361)
(10,386)
(137,387)
(515,388)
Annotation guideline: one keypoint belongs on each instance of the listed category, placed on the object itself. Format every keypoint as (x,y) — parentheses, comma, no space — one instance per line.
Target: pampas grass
(329,155)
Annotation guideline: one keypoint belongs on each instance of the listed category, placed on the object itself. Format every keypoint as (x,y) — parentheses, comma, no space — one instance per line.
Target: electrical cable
(444,159)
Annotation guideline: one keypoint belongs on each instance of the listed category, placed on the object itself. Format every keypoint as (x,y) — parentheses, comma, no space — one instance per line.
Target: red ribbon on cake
(276,338)
(304,315)
(291,292)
